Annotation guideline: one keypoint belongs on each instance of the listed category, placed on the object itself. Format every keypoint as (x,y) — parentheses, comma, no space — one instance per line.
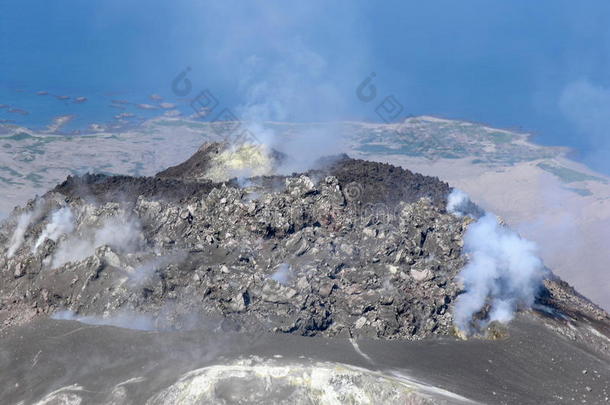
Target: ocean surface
(75,112)
(540,67)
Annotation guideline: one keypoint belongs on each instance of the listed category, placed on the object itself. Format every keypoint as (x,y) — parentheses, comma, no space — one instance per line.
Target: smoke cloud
(587,108)
(291,89)
(286,72)
(458,203)
(23,221)
(121,234)
(17,239)
(307,146)
(62,222)
(145,271)
(283,274)
(121,320)
(503,273)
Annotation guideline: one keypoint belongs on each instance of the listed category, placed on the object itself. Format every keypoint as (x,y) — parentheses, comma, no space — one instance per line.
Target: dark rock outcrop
(353,248)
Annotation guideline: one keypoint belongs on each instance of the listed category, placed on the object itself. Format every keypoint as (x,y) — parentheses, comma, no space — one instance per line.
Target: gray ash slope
(47,361)
(355,248)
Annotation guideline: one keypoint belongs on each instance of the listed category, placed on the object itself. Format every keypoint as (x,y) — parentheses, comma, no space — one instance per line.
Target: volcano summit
(341,284)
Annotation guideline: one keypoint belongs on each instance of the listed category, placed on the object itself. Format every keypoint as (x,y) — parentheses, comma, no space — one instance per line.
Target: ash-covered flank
(352,248)
(382,182)
(371,182)
(197,165)
(103,188)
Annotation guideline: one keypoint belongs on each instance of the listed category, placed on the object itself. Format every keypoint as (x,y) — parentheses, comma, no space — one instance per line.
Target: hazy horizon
(539,67)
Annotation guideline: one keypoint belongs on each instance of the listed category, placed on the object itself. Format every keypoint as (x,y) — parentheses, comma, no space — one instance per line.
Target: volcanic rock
(350,248)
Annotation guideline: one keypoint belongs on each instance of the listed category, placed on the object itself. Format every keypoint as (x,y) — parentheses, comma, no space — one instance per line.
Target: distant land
(557,202)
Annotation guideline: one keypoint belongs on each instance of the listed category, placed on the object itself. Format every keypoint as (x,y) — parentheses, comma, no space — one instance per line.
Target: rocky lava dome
(352,248)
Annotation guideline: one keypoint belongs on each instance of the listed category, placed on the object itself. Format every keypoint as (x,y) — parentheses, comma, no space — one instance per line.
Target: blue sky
(543,66)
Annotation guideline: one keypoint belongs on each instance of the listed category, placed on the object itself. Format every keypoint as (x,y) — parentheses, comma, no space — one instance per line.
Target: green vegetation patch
(375,148)
(409,150)
(35,178)
(189,124)
(37,148)
(501,137)
(448,155)
(12,172)
(19,136)
(567,175)
(9,181)
(580,191)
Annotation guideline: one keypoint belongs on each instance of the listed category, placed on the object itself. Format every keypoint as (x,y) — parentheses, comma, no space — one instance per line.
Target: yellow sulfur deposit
(245,160)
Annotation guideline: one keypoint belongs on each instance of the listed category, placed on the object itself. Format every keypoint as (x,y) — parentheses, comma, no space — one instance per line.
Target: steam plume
(503,272)
(283,274)
(124,319)
(288,91)
(458,203)
(62,222)
(146,270)
(18,236)
(121,234)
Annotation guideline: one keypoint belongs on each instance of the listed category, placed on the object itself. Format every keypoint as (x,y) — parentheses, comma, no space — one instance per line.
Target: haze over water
(539,66)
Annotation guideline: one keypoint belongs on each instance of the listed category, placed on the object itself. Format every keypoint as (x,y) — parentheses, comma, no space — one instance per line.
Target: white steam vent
(23,222)
(62,222)
(504,270)
(458,203)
